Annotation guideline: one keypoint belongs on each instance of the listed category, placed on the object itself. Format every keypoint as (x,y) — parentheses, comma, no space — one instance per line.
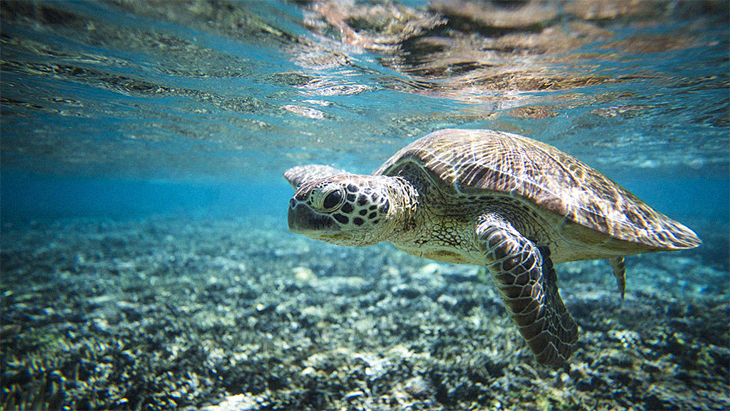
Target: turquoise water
(119,112)
(121,97)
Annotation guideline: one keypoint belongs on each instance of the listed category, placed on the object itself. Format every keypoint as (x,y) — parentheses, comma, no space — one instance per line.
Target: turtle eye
(332,200)
(327,196)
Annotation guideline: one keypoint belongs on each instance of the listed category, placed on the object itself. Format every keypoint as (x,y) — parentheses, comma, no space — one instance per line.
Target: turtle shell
(468,163)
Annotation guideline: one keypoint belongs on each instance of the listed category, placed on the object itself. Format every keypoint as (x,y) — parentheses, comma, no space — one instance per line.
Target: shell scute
(471,163)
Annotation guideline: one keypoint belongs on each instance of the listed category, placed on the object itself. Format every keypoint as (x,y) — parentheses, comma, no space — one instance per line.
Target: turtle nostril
(292,203)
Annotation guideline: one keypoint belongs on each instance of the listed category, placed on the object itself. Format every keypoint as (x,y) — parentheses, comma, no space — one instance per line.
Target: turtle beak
(303,220)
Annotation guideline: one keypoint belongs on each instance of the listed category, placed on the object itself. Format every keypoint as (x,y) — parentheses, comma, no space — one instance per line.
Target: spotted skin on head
(339,207)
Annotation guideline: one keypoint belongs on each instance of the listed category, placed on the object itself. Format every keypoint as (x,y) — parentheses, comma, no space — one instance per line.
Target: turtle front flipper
(527,282)
(299,175)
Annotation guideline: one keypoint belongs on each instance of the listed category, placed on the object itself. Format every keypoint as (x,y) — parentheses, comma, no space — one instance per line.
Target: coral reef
(237,314)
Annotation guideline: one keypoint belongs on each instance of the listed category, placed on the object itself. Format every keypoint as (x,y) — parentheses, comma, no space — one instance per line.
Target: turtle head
(344,209)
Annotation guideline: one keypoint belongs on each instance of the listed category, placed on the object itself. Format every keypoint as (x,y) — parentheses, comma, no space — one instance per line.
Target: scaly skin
(527,284)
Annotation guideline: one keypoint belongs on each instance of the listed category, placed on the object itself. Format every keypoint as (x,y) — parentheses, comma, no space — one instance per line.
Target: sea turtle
(489,198)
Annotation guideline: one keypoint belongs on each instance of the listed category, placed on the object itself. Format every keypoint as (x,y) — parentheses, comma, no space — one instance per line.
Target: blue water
(133,113)
(125,111)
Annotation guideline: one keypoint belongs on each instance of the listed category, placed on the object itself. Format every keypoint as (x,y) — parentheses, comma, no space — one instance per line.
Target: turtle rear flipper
(619,271)
(527,282)
(299,175)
